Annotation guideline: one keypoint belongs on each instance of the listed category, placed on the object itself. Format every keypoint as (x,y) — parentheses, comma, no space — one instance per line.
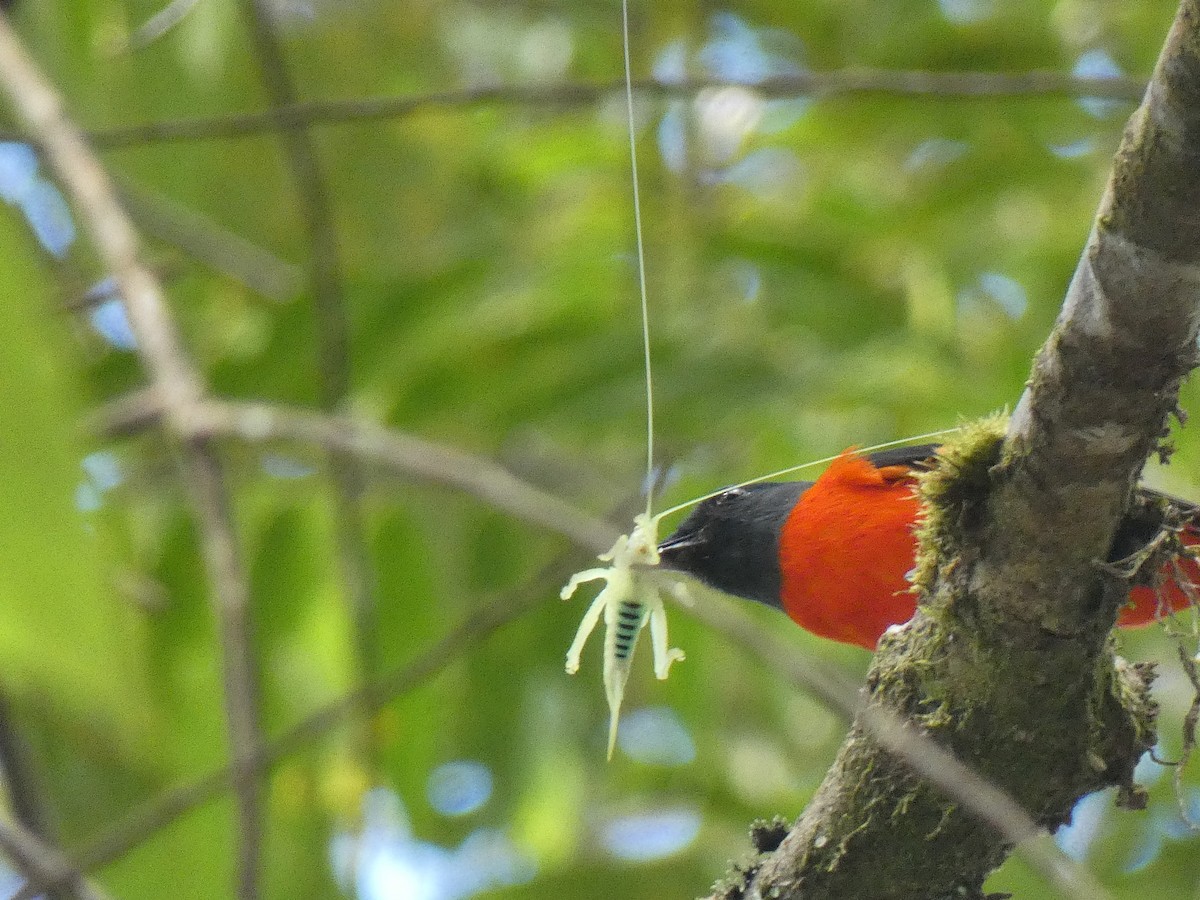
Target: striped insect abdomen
(630,616)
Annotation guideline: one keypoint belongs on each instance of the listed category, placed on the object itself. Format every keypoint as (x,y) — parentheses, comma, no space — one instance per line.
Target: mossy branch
(1008,662)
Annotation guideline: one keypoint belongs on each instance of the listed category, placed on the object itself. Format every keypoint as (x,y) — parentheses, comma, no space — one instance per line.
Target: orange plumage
(855,518)
(848,544)
(1147,605)
(834,554)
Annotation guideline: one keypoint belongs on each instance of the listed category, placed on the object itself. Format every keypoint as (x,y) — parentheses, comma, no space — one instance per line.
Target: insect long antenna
(641,259)
(680,507)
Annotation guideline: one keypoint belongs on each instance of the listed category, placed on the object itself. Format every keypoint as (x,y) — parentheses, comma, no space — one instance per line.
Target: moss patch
(954,493)
(766,835)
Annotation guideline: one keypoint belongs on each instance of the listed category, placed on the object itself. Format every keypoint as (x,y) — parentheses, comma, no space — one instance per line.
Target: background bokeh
(823,271)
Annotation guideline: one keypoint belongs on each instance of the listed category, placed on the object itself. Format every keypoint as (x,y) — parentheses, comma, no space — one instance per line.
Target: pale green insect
(631,597)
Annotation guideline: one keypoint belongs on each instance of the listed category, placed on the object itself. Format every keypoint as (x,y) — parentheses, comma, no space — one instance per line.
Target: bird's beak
(674,551)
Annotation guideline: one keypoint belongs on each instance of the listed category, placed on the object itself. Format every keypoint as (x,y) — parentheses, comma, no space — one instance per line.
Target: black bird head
(731,541)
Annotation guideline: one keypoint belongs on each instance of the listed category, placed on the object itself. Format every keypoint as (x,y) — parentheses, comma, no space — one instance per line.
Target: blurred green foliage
(846,270)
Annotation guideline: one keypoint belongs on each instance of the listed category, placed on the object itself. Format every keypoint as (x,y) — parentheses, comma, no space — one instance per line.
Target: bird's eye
(731,494)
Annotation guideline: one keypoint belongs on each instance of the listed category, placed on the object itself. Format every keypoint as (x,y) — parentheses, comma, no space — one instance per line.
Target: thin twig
(41,863)
(333,333)
(231,592)
(205,241)
(26,796)
(394,451)
(949,85)
(160,23)
(22,784)
(1188,663)
(333,347)
(178,386)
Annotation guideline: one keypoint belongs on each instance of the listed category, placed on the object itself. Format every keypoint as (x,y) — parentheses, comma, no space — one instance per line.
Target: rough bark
(1008,662)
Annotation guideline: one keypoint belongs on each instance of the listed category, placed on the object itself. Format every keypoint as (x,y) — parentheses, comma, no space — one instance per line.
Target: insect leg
(579,578)
(663,657)
(586,627)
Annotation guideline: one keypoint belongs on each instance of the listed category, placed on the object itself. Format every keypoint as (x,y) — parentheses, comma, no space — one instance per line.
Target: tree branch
(40,862)
(21,781)
(1007,662)
(178,386)
(28,802)
(316,209)
(968,85)
(397,452)
(208,243)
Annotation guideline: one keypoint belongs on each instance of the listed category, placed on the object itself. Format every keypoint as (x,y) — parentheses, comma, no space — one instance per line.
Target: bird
(835,554)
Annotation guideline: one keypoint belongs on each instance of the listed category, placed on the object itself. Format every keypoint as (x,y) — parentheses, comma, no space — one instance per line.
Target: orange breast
(845,550)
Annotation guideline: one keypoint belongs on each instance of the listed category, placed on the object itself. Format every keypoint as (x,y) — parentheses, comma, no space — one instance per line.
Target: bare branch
(178,387)
(333,346)
(205,241)
(333,333)
(967,85)
(42,863)
(41,111)
(230,589)
(394,451)
(25,797)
